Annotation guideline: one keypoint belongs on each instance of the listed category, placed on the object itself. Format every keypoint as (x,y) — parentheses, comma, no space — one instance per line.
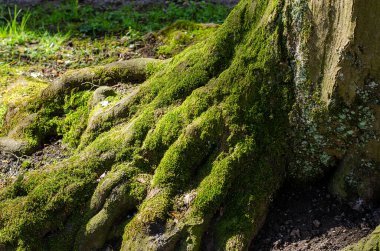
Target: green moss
(116,196)
(76,110)
(212,190)
(214,113)
(27,164)
(6,71)
(23,90)
(44,125)
(3,111)
(181,34)
(57,192)
(16,95)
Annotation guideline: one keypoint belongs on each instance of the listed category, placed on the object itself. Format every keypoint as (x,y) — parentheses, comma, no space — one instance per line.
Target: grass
(19,42)
(41,34)
(84,19)
(13,27)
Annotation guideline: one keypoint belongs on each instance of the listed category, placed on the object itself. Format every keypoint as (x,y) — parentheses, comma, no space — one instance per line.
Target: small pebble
(295,233)
(316,223)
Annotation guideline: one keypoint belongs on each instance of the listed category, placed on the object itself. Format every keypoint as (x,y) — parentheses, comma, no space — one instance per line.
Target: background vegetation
(51,31)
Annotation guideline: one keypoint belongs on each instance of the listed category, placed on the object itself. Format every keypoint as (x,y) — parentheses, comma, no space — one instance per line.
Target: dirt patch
(11,165)
(312,219)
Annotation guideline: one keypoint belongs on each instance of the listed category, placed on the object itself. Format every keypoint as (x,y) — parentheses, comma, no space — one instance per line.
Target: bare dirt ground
(312,219)
(11,165)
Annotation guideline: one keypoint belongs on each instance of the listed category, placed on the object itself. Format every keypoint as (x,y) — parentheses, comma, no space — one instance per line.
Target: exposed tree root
(104,120)
(193,154)
(130,71)
(13,146)
(116,196)
(184,127)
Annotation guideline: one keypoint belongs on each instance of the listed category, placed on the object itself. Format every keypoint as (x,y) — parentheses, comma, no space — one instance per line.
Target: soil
(312,219)
(11,165)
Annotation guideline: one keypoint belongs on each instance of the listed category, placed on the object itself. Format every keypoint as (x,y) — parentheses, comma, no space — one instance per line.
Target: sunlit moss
(180,35)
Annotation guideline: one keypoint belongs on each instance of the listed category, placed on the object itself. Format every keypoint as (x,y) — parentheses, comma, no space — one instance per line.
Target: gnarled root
(199,149)
(130,71)
(49,104)
(105,119)
(116,198)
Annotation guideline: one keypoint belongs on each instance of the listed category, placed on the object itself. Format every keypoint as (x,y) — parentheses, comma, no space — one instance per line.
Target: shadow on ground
(312,219)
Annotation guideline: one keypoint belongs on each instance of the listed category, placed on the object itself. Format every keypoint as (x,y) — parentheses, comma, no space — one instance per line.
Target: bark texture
(191,157)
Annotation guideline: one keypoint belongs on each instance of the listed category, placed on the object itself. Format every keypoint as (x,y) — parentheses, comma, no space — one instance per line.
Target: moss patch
(76,110)
(180,35)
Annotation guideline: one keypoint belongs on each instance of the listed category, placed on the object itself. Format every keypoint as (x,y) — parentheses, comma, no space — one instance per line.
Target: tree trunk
(191,157)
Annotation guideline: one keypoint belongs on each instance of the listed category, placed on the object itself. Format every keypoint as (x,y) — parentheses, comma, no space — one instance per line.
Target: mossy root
(130,71)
